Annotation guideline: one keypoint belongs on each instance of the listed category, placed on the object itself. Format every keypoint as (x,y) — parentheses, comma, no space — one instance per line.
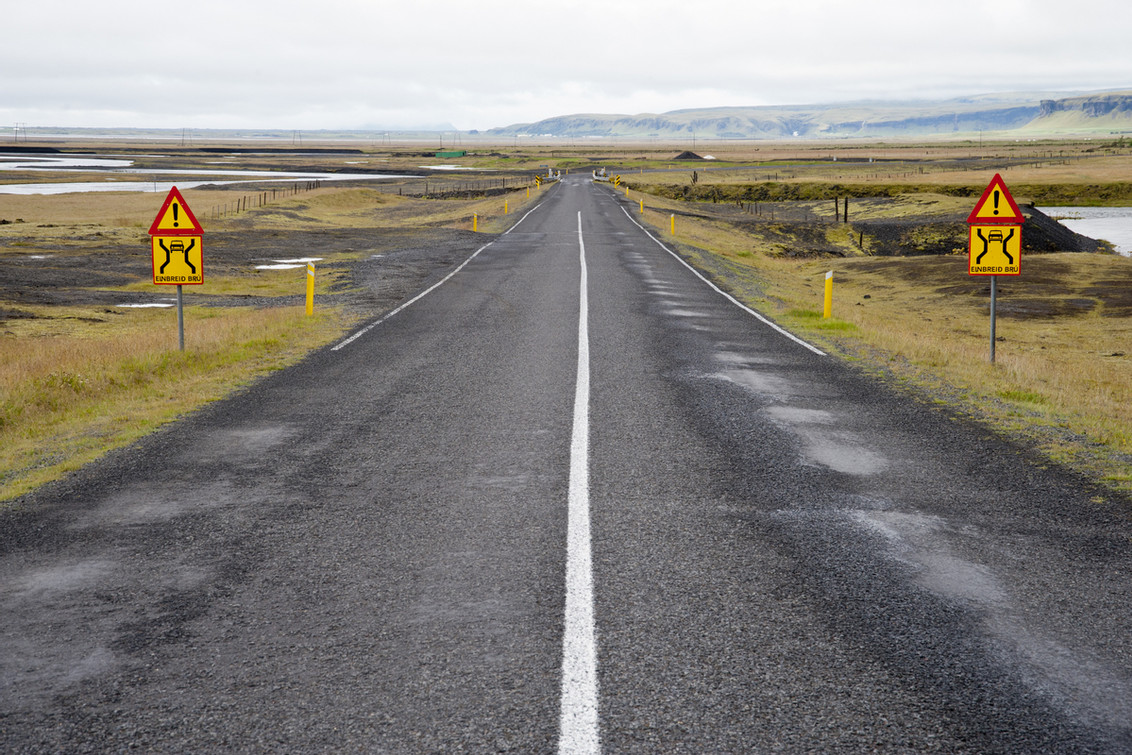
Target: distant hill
(1031,113)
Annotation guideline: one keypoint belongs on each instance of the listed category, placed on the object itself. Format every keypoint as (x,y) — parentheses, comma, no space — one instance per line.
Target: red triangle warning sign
(175,218)
(996,206)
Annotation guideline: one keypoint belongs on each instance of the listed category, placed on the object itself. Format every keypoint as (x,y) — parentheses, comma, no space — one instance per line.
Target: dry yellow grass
(68,394)
(1063,372)
(1053,384)
(75,382)
(1071,162)
(1067,370)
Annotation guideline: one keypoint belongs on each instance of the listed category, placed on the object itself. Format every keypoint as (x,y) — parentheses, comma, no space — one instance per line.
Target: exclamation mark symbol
(995,203)
(176,222)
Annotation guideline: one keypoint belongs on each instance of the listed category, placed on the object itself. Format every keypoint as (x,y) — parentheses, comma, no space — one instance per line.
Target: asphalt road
(766,551)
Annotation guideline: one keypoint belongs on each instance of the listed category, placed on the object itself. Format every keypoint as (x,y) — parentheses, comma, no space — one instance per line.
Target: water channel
(122,177)
(1113,224)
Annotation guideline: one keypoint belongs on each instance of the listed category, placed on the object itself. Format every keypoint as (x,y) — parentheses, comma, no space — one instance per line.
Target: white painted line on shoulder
(409,303)
(726,295)
(427,291)
(520,220)
(578,720)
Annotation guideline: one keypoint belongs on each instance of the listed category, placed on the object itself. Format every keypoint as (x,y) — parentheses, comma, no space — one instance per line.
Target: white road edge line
(578,720)
(427,291)
(723,293)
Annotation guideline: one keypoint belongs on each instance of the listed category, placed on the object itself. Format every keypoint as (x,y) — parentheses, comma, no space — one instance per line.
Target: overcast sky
(476,64)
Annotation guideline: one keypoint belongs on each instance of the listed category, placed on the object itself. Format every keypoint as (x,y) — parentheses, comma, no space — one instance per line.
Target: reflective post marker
(310,289)
(828,295)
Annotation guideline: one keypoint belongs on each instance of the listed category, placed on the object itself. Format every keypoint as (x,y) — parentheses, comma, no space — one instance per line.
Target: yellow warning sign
(175,218)
(996,205)
(177,260)
(995,250)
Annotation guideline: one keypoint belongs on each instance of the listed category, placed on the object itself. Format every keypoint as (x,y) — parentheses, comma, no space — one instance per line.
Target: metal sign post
(993,312)
(995,230)
(176,242)
(180,318)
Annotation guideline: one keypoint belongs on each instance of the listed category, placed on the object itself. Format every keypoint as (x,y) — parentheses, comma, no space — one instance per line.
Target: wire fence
(259,199)
(444,189)
(431,188)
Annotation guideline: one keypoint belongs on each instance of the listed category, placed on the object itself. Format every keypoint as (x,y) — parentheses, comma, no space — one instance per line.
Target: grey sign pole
(181,320)
(993,311)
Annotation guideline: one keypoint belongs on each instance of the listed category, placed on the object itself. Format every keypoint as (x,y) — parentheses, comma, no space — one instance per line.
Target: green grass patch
(1023,396)
(813,320)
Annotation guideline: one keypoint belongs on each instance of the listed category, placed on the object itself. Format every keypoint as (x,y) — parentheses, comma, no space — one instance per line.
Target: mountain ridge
(1033,113)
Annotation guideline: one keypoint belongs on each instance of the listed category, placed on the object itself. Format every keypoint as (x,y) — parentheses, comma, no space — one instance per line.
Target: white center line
(578,721)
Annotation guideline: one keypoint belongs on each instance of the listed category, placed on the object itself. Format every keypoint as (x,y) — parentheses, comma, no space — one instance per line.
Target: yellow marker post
(528,192)
(310,289)
(626,191)
(504,206)
(672,223)
(642,205)
(828,295)
(475,222)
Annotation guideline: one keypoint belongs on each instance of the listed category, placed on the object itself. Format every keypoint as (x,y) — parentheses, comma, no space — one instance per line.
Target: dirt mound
(915,236)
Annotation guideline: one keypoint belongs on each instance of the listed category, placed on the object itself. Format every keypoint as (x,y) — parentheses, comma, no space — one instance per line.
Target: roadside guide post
(310,289)
(995,232)
(176,238)
(828,309)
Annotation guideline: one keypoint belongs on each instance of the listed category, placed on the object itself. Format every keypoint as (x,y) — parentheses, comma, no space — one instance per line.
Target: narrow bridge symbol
(178,246)
(994,237)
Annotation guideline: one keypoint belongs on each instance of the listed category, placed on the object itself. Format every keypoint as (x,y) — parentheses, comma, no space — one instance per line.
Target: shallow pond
(1113,224)
(160,180)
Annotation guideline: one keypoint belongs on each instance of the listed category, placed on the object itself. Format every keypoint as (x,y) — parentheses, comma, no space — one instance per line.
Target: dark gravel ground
(381,268)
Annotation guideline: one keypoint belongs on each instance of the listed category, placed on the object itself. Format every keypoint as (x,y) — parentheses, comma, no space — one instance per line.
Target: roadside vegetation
(1063,369)
(79,377)
(73,390)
